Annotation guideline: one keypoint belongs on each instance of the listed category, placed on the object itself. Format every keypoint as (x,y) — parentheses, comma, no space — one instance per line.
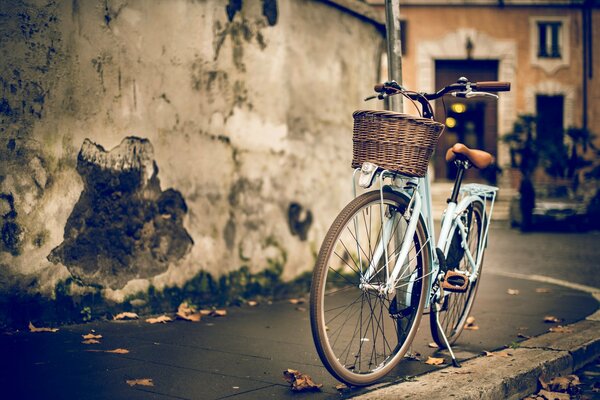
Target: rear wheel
(360,333)
(456,307)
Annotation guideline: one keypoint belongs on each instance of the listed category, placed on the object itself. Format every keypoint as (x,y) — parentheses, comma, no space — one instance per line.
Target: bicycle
(377,270)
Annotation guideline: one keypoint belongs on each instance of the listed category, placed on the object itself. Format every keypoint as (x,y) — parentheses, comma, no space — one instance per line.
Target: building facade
(548,50)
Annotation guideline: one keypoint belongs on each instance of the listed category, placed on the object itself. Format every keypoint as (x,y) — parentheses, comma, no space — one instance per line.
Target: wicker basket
(396,142)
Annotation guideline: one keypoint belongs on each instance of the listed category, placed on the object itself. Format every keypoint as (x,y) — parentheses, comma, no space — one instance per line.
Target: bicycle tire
(457,306)
(352,343)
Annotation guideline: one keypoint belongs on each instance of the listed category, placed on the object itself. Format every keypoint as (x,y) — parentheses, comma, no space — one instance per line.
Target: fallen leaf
(433,345)
(90,341)
(205,313)
(252,303)
(297,301)
(188,313)
(470,324)
(126,315)
(115,351)
(560,329)
(551,319)
(140,382)
(300,382)
(91,336)
(162,319)
(34,329)
(414,356)
(497,353)
(302,309)
(542,290)
(218,313)
(554,395)
(523,336)
(434,361)
(341,387)
(513,292)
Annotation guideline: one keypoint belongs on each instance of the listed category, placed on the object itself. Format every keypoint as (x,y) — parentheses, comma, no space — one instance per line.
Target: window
(550,119)
(549,39)
(550,42)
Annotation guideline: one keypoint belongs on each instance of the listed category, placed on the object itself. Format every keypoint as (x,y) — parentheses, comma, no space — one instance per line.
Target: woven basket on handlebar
(396,142)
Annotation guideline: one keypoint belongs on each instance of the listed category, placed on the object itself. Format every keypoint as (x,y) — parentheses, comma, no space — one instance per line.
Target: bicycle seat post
(462,165)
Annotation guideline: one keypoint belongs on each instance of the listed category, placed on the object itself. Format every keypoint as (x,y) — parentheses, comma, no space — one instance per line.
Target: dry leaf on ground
(512,292)
(554,395)
(218,313)
(140,382)
(470,324)
(551,319)
(252,303)
(434,361)
(188,313)
(341,387)
(90,341)
(297,301)
(560,329)
(300,382)
(115,351)
(523,336)
(504,353)
(162,319)
(415,356)
(91,336)
(302,309)
(542,290)
(126,315)
(560,383)
(34,329)
(433,345)
(205,312)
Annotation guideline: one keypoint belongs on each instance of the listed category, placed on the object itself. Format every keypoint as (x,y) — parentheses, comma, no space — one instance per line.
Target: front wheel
(361,333)
(455,307)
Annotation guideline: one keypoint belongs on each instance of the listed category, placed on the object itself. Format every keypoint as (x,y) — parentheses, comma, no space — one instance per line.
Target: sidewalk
(243,354)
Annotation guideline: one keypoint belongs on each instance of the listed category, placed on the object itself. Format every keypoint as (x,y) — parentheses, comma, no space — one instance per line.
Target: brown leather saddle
(479,158)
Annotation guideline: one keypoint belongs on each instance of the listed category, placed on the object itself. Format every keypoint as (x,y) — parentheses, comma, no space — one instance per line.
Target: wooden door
(473,122)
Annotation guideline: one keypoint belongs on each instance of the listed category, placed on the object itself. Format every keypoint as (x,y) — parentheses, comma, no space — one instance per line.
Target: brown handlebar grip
(493,86)
(380,87)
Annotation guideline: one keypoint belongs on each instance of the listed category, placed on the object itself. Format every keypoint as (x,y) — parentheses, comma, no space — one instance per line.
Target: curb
(505,377)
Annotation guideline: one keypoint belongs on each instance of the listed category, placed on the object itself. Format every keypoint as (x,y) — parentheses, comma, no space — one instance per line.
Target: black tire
(457,306)
(356,337)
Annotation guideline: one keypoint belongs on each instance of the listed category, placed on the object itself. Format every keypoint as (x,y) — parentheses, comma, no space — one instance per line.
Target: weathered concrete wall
(238,124)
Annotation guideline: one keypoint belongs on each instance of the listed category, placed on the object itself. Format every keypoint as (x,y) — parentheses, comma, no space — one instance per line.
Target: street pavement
(243,354)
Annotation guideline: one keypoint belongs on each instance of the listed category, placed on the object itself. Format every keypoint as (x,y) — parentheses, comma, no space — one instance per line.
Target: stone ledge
(497,377)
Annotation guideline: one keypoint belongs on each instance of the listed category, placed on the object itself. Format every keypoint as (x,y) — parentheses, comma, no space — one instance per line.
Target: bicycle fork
(393,276)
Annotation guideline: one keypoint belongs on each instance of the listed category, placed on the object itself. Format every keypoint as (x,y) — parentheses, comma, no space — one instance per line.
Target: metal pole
(394,49)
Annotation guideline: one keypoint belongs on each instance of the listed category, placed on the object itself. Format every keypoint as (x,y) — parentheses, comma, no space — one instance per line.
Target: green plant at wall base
(86,314)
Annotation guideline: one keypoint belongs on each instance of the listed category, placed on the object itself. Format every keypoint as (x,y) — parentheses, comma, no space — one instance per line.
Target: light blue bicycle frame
(416,210)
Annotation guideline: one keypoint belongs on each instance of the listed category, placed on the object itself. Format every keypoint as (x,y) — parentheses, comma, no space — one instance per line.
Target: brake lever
(380,96)
(470,93)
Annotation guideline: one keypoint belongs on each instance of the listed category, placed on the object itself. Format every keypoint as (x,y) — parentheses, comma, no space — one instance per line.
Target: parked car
(556,207)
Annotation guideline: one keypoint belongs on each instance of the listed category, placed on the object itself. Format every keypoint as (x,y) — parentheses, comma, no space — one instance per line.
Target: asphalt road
(243,355)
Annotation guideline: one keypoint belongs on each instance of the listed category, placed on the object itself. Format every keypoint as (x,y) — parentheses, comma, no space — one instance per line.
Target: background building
(548,50)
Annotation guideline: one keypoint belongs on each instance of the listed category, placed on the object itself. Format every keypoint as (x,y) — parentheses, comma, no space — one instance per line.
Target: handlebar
(462,88)
(463,85)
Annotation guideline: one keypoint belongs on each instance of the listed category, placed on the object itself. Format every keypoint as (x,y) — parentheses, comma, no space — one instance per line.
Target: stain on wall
(299,220)
(124,226)
(270,11)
